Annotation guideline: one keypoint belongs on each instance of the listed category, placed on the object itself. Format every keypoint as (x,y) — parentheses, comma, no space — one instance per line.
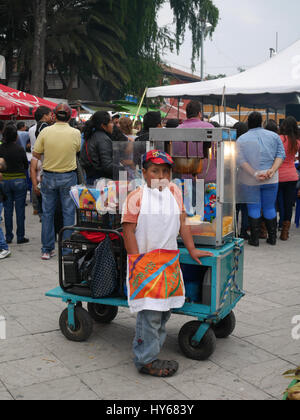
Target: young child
(153,217)
(4,250)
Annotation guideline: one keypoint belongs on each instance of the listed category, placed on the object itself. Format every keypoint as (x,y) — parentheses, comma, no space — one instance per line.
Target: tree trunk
(70,85)
(38,57)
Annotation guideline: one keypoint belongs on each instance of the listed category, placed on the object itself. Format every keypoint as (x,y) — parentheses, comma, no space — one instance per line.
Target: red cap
(158,158)
(63,110)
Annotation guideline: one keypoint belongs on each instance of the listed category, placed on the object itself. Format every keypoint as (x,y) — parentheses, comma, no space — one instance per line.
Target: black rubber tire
(83,322)
(204,349)
(102,314)
(225,327)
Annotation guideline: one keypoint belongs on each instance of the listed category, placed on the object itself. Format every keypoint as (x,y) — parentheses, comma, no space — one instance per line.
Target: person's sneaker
(23,241)
(4,253)
(46,256)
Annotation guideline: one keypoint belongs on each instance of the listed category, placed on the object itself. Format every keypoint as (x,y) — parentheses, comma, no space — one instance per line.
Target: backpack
(100,271)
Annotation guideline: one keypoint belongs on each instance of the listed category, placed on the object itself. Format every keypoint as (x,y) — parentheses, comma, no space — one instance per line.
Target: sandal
(160,368)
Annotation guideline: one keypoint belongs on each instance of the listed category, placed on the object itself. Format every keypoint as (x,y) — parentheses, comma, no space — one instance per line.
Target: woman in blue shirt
(261,153)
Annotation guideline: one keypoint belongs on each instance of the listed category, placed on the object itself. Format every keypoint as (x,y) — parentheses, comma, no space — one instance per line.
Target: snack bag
(210,203)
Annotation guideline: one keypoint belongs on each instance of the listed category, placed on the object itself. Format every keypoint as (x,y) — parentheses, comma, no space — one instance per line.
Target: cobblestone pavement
(37,362)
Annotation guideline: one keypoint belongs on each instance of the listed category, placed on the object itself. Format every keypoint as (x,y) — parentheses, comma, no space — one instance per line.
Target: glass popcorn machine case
(206,172)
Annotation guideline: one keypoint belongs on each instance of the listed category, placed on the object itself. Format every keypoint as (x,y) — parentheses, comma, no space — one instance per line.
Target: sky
(243,38)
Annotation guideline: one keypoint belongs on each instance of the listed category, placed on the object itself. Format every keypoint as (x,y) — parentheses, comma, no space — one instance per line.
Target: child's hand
(196,254)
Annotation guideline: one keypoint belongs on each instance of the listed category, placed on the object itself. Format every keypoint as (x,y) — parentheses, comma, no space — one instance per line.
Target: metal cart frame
(197,339)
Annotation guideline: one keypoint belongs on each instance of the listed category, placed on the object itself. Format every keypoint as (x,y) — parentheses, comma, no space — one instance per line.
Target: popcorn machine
(206,170)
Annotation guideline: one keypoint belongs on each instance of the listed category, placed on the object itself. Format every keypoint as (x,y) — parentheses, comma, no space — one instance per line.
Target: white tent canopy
(274,83)
(220,119)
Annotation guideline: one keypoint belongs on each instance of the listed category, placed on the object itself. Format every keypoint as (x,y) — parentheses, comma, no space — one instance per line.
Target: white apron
(157,229)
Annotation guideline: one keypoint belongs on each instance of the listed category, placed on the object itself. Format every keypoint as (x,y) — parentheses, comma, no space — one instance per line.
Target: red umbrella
(21,105)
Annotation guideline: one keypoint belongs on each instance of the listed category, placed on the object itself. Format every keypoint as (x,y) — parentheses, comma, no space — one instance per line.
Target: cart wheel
(201,351)
(103,314)
(83,322)
(225,327)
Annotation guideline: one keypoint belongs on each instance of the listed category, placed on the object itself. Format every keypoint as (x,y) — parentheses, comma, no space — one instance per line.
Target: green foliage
(92,46)
(191,13)
(117,40)
(213,77)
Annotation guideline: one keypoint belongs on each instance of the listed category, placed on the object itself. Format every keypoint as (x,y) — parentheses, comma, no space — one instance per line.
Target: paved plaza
(37,362)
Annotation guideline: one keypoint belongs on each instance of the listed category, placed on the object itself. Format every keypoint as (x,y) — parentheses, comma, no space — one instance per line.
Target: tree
(38,55)
(14,30)
(213,77)
(119,41)
(191,13)
(146,41)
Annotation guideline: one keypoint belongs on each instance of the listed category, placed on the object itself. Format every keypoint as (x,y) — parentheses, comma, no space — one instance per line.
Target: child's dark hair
(10,134)
(95,123)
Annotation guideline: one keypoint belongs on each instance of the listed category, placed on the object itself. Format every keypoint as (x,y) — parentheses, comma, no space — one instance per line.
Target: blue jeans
(16,192)
(150,336)
(287,195)
(3,244)
(267,202)
(56,187)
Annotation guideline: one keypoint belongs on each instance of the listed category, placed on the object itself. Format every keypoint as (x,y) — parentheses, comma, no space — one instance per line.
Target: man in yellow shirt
(59,144)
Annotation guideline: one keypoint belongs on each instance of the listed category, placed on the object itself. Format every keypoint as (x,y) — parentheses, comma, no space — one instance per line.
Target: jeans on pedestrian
(16,192)
(91,181)
(286,200)
(267,196)
(150,336)
(56,187)
(3,244)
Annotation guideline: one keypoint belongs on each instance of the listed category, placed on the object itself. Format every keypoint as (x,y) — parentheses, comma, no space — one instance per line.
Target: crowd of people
(57,153)
(269,155)
(56,150)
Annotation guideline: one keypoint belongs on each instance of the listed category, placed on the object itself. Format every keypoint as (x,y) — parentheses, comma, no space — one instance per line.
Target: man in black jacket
(4,250)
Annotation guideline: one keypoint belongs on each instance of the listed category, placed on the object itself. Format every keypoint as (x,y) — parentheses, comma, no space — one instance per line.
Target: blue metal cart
(214,318)
(212,293)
